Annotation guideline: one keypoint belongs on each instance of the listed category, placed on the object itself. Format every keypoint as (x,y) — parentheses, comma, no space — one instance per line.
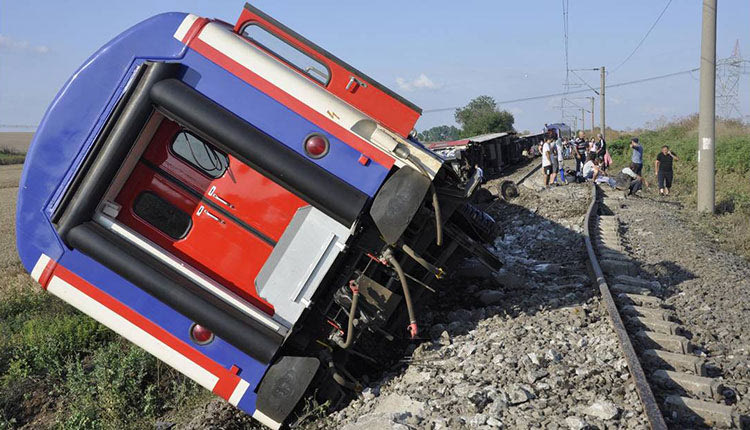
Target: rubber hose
(350,326)
(435,202)
(407,295)
(438,217)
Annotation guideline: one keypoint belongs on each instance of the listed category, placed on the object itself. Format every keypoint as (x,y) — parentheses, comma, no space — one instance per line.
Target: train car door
(207,208)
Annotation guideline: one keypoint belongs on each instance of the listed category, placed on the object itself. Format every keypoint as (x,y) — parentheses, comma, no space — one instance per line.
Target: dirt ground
(17,141)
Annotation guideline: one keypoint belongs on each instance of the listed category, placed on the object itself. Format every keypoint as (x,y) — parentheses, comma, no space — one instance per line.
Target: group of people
(591,157)
(592,163)
(662,166)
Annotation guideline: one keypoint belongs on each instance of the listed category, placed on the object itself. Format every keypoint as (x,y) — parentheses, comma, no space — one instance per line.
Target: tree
(439,133)
(482,116)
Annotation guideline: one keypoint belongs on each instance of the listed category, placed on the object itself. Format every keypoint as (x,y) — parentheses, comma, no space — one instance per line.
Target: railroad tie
(655,325)
(631,289)
(679,362)
(652,313)
(702,412)
(699,386)
(632,280)
(667,342)
(639,300)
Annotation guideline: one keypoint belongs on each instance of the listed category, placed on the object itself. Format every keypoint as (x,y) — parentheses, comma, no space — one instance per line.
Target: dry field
(15,141)
(12,274)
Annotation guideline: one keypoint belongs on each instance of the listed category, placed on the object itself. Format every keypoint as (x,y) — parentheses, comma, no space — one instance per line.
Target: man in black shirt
(581,146)
(663,167)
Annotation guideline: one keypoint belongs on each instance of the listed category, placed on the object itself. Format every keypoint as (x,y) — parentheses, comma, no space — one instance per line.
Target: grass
(80,374)
(730,225)
(11,156)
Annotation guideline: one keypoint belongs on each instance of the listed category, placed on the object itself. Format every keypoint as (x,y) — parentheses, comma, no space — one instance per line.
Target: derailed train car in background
(493,152)
(243,205)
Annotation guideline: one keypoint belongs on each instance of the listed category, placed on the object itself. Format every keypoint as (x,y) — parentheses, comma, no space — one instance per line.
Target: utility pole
(583,119)
(601,102)
(707,112)
(592,115)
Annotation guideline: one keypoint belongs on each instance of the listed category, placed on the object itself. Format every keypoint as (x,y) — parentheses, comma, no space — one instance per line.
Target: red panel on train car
(344,81)
(223,180)
(181,224)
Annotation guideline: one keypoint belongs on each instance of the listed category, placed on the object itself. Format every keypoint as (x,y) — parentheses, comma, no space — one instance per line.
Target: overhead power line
(644,37)
(585,83)
(547,96)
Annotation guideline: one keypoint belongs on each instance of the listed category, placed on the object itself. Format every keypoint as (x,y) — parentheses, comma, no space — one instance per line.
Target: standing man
(663,167)
(601,151)
(553,156)
(560,160)
(546,160)
(636,160)
(580,151)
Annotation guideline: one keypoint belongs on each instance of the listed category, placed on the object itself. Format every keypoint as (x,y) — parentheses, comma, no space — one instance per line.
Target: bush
(732,226)
(122,387)
(51,354)
(11,156)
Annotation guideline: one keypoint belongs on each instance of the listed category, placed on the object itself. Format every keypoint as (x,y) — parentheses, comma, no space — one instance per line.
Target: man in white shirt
(591,169)
(547,160)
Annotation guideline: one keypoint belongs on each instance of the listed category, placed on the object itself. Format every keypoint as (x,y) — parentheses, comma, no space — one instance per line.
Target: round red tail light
(201,335)
(316,146)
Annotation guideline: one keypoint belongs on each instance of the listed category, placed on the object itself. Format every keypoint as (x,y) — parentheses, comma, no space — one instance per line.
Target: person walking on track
(663,168)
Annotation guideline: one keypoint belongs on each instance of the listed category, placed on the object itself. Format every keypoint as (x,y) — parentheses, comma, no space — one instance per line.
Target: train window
(163,215)
(287,53)
(200,154)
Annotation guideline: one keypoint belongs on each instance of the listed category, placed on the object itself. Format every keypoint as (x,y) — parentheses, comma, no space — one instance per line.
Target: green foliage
(52,354)
(731,225)
(45,344)
(482,116)
(10,156)
(122,387)
(439,133)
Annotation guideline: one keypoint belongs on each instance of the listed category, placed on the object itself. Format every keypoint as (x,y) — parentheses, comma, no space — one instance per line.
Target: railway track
(671,381)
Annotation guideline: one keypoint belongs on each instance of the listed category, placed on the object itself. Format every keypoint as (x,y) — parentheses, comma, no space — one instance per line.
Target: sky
(438,54)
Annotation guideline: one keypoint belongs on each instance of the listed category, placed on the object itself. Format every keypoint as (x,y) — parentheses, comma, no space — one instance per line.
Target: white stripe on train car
(238,392)
(185,26)
(38,269)
(265,420)
(131,332)
(217,290)
(222,38)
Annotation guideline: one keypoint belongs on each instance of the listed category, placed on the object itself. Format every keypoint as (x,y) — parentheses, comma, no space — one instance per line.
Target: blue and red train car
(241,204)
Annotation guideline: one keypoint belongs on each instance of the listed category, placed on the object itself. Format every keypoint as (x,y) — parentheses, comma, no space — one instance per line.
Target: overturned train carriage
(243,205)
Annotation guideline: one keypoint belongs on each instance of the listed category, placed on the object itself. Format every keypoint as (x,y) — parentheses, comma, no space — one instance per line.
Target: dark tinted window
(200,154)
(163,215)
(290,54)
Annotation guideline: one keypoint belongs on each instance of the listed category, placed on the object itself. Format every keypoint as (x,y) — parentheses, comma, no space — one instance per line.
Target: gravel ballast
(529,347)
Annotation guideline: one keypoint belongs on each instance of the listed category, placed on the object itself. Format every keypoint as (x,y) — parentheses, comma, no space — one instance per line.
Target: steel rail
(654,415)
